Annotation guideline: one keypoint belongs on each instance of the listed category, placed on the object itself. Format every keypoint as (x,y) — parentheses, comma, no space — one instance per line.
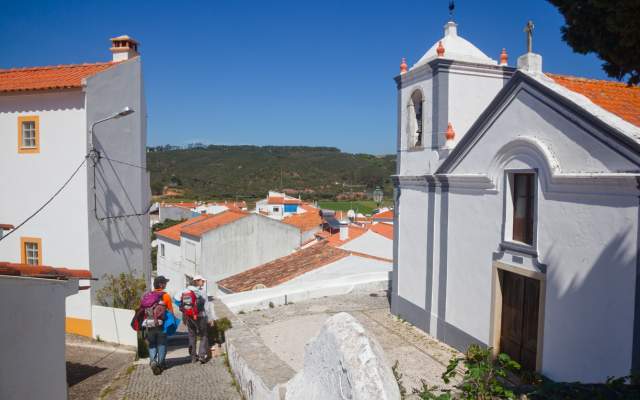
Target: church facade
(517,211)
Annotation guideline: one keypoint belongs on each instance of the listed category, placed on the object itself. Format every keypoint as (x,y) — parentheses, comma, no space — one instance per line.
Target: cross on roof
(529,31)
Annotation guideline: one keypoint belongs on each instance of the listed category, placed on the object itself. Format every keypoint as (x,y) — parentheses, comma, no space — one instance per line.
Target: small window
(31,251)
(276,209)
(28,134)
(161,249)
(523,191)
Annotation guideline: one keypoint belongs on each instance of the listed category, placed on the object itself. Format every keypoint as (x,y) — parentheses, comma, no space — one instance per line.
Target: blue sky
(276,72)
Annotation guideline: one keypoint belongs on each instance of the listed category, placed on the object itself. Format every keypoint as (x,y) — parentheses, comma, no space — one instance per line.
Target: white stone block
(343,362)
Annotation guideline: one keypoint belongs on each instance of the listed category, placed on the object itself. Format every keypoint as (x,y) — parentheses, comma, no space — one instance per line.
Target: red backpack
(189,305)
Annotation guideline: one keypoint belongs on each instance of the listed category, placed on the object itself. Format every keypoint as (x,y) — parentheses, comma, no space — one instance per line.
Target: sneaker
(203,360)
(157,370)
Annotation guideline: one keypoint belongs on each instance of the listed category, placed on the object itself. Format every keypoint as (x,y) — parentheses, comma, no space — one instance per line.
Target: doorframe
(496,306)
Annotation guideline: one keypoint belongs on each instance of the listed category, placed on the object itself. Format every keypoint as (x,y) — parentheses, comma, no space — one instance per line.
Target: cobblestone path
(182,380)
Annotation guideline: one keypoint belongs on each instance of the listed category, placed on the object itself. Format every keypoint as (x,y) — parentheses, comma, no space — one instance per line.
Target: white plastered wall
(587,237)
(31,179)
(33,367)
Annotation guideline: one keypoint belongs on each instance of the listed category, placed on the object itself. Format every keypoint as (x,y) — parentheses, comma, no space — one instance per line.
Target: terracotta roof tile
(50,77)
(284,269)
(188,205)
(615,97)
(210,222)
(173,232)
(6,227)
(354,232)
(275,200)
(384,215)
(306,220)
(385,230)
(42,271)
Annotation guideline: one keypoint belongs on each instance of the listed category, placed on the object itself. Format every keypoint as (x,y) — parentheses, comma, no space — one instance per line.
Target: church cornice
(446,66)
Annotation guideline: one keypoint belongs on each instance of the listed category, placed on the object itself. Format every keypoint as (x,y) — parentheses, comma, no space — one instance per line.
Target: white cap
(199,278)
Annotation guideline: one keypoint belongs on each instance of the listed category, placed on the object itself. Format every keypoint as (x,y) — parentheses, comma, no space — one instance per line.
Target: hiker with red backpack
(155,307)
(197,316)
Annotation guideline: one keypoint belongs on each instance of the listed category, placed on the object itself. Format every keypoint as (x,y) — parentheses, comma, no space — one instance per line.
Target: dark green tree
(608,28)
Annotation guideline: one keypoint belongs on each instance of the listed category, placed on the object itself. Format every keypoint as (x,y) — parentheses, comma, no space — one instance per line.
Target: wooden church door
(519,325)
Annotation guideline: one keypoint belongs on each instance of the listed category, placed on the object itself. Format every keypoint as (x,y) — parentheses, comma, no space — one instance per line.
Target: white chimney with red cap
(123,48)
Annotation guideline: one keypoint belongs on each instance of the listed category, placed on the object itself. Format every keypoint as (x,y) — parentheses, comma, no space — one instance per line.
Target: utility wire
(47,202)
(122,162)
(96,157)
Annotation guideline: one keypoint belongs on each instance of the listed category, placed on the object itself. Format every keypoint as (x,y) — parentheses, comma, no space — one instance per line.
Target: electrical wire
(96,157)
(123,162)
(48,201)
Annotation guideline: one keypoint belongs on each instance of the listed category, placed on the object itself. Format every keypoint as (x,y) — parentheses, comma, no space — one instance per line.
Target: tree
(609,28)
(122,291)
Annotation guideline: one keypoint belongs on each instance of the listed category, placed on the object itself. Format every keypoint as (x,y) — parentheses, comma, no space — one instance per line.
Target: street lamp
(122,113)
(377,196)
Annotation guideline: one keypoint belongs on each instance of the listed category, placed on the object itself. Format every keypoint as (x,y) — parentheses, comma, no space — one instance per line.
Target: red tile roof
(42,271)
(173,232)
(47,78)
(284,269)
(305,221)
(188,205)
(385,230)
(384,215)
(6,227)
(211,222)
(275,200)
(354,232)
(615,97)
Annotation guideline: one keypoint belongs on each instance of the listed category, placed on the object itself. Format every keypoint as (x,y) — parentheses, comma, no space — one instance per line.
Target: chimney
(123,48)
(344,231)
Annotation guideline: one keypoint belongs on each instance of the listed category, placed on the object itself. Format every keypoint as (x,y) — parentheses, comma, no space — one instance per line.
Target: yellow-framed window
(31,250)
(29,134)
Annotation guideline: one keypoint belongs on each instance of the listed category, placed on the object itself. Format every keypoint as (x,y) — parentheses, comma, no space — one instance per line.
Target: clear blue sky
(276,72)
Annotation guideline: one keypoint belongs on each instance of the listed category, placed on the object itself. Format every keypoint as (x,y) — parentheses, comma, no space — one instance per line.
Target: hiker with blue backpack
(197,316)
(156,320)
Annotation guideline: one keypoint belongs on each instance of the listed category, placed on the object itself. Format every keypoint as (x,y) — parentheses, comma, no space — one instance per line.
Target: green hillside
(250,171)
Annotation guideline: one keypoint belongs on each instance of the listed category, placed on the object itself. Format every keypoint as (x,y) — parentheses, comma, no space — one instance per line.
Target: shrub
(216,332)
(483,376)
(122,291)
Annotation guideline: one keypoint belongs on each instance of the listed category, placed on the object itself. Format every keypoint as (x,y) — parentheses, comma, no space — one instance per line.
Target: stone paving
(181,380)
(92,366)
(286,330)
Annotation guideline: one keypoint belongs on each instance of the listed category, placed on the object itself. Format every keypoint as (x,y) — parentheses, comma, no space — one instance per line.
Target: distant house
(176,211)
(33,329)
(308,220)
(278,205)
(89,118)
(312,265)
(220,245)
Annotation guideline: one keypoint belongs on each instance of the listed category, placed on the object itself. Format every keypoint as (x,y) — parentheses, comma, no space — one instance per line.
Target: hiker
(156,304)
(197,316)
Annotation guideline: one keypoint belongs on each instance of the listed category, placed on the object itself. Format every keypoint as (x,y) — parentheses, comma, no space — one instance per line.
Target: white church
(516,218)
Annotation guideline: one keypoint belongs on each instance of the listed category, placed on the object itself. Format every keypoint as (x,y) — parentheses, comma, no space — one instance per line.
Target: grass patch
(359,206)
(234,383)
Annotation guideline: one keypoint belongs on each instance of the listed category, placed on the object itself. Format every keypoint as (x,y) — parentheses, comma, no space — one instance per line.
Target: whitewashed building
(219,245)
(33,329)
(51,118)
(516,217)
(279,205)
